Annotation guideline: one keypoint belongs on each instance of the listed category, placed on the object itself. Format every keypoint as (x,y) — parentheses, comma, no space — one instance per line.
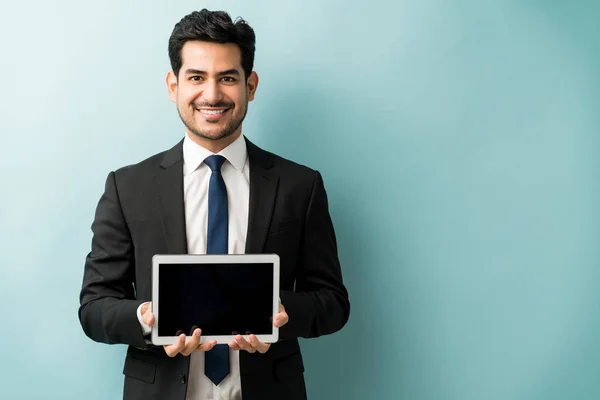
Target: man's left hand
(253,345)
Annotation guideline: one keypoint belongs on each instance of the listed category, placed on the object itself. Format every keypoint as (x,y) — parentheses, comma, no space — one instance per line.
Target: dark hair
(216,27)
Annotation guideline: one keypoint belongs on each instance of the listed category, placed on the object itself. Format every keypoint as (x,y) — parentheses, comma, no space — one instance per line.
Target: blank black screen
(220,299)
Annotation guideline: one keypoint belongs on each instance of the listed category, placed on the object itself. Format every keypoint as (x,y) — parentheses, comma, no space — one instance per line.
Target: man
(162,205)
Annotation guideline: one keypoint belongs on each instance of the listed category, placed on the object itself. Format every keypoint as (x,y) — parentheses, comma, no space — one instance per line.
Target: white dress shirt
(196,176)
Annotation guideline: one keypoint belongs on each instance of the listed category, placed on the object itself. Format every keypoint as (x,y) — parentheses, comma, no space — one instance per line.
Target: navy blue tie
(216,365)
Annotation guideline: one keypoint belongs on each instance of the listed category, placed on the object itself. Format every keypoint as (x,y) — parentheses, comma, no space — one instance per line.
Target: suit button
(183,378)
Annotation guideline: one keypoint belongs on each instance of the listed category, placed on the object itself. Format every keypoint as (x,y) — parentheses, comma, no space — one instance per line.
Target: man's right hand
(180,347)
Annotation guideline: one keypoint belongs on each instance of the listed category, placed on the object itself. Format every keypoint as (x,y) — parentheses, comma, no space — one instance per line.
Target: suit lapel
(169,185)
(263,188)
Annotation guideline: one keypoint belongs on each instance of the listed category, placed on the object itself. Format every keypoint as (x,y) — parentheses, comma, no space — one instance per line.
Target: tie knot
(214,162)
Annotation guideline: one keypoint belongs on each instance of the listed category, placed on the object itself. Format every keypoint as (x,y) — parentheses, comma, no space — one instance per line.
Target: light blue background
(458,141)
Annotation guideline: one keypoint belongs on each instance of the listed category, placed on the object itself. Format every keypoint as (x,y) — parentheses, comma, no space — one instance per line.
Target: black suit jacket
(141,213)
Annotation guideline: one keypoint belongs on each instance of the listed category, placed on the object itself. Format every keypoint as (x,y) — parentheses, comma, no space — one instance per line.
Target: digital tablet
(223,295)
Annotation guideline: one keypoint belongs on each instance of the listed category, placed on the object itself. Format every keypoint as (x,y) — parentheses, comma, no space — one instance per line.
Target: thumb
(147,315)
(150,318)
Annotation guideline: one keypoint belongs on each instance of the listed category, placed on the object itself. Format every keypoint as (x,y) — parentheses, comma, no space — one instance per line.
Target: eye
(195,78)
(229,79)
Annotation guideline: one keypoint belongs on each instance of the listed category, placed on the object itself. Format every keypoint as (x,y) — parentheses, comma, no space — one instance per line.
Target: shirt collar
(194,154)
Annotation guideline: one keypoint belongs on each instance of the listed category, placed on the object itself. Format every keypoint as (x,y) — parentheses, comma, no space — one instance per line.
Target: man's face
(211,91)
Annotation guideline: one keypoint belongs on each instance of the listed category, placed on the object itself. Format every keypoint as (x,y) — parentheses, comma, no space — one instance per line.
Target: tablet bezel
(228,259)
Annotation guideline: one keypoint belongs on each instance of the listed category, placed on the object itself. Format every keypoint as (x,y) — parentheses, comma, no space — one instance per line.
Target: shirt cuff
(145,328)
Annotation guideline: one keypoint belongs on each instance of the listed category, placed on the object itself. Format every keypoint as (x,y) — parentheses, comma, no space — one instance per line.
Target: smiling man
(212,91)
(162,205)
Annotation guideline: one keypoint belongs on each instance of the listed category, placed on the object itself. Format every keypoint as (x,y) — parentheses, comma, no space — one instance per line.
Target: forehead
(208,56)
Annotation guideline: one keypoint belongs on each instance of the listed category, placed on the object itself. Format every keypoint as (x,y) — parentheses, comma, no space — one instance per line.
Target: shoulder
(289,171)
(146,170)
(292,167)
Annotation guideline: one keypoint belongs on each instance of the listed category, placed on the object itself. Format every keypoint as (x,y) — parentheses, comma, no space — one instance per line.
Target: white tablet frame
(229,259)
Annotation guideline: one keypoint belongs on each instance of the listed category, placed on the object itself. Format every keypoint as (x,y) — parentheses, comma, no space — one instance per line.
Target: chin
(215,135)
(212,135)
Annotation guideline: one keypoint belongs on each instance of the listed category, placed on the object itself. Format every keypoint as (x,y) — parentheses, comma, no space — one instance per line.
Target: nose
(211,92)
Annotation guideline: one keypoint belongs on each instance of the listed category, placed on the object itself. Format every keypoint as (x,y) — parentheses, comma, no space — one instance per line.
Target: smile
(212,112)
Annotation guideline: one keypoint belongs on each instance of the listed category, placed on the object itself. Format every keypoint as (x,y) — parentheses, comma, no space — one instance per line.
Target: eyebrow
(232,71)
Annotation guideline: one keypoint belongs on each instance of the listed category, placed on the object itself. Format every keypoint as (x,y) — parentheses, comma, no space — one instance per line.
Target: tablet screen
(220,299)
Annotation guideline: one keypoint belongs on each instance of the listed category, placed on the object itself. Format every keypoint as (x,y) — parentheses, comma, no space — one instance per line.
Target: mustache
(206,104)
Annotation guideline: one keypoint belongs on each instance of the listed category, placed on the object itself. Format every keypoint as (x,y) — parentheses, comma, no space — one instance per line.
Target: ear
(172,86)
(252,85)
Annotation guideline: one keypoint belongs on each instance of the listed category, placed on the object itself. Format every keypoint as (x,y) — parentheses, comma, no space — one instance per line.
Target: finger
(233,345)
(207,346)
(147,315)
(146,306)
(173,349)
(244,345)
(241,342)
(148,318)
(281,319)
(258,345)
(193,343)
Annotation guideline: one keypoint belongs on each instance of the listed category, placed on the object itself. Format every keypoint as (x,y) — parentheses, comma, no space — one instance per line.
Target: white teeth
(212,112)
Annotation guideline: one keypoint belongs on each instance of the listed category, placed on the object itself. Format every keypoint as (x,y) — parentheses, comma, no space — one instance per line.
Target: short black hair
(216,27)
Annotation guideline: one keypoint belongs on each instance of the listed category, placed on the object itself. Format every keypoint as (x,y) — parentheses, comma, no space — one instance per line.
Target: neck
(214,146)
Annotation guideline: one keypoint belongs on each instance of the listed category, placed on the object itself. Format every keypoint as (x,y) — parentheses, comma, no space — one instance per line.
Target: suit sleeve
(108,307)
(319,305)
